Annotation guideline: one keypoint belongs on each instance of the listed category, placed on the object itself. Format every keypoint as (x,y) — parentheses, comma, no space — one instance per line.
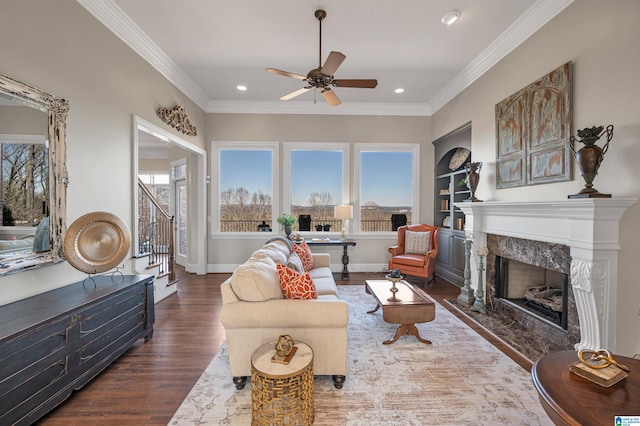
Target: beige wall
(57,46)
(601,39)
(371,252)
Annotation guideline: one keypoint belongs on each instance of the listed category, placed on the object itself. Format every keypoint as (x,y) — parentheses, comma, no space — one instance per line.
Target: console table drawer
(22,351)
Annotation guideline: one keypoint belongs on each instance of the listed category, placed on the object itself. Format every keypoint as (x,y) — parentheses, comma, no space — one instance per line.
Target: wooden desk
(345,255)
(569,399)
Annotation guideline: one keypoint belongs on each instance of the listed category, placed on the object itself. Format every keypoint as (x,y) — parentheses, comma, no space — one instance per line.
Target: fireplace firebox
(536,290)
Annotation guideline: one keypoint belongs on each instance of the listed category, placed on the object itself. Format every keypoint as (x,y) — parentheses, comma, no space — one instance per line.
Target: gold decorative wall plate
(96,242)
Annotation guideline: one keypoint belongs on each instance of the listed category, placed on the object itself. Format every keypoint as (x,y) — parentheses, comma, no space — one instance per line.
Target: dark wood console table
(569,399)
(345,255)
(56,342)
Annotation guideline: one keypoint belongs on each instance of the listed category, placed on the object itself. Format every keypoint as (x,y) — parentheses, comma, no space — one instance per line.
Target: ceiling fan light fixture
(241,87)
(399,90)
(451,17)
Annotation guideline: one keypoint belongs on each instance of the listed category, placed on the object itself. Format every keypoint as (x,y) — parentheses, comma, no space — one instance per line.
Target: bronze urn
(589,158)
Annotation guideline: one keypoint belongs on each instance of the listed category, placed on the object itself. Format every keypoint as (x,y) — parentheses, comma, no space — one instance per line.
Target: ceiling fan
(322,77)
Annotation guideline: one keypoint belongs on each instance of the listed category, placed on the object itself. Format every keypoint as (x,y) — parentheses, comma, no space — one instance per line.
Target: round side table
(282,394)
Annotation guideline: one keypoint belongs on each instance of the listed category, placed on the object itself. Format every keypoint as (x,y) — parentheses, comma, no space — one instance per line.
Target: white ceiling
(206,48)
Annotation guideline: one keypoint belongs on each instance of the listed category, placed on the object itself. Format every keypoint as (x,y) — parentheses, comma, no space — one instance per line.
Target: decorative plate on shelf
(96,242)
(459,157)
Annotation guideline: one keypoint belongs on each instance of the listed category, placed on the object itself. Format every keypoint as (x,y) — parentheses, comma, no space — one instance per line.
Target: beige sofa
(254,312)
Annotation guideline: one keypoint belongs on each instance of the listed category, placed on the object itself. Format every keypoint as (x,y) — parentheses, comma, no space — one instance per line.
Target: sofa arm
(284,313)
(321,260)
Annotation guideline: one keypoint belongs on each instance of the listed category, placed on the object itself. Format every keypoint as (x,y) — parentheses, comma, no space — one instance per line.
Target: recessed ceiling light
(399,90)
(451,17)
(241,87)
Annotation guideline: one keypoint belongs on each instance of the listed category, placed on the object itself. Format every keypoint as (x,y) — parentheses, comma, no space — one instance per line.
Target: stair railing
(155,232)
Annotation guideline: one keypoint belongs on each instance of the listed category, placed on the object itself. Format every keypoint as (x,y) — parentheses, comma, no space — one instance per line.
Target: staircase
(155,244)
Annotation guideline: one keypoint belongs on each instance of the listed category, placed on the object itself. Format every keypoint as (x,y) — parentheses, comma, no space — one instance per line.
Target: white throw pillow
(295,263)
(257,280)
(274,251)
(417,242)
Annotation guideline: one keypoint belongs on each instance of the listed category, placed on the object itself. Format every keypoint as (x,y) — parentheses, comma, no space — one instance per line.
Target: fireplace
(539,291)
(519,274)
(585,230)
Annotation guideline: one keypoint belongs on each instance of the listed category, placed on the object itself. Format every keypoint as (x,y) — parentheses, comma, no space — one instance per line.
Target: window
(316,183)
(245,191)
(158,184)
(388,185)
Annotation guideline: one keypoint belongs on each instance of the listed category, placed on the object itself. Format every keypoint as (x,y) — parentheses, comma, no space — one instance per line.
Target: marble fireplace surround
(589,227)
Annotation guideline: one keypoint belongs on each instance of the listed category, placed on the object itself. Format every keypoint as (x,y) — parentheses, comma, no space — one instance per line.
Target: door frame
(196,185)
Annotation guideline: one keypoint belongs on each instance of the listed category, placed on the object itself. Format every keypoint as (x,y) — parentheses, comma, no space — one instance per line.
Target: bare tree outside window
(25,183)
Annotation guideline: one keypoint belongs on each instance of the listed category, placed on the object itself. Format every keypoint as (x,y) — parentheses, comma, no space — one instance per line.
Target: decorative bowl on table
(394,276)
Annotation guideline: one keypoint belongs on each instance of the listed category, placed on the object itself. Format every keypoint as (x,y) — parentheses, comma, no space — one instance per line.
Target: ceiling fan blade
(365,84)
(295,93)
(286,73)
(330,97)
(334,60)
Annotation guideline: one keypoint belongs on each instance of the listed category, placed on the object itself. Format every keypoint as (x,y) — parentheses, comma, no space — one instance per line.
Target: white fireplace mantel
(589,226)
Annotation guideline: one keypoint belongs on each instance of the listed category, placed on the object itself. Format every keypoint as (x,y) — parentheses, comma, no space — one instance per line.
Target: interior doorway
(157,149)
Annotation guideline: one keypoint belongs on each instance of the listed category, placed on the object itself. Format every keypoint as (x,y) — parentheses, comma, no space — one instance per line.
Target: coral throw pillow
(304,252)
(417,242)
(296,285)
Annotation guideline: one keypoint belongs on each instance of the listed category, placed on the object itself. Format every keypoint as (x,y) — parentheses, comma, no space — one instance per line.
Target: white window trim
(344,147)
(216,147)
(413,148)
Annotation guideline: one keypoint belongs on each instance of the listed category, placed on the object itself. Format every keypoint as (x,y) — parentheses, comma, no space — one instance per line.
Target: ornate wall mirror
(33,175)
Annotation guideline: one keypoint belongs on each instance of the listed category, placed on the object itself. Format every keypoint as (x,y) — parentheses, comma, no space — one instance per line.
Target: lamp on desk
(343,212)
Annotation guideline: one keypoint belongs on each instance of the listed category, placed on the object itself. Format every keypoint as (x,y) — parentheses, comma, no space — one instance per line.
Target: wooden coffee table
(408,306)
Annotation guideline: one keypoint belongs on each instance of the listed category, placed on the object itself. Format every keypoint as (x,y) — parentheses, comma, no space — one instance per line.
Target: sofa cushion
(296,285)
(274,251)
(304,252)
(323,280)
(417,242)
(256,280)
(295,263)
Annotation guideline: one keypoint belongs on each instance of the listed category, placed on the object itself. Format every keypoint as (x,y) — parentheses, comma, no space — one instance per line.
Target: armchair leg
(338,380)
(239,381)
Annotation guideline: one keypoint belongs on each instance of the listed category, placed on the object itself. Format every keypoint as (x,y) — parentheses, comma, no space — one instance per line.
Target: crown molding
(297,107)
(522,28)
(112,17)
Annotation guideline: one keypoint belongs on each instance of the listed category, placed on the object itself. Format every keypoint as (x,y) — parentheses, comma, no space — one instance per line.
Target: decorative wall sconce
(177,118)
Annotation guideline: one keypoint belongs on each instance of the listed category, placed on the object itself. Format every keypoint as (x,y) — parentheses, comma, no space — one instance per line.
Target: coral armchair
(416,251)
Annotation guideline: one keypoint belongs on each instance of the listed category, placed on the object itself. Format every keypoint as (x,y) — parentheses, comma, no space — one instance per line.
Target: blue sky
(386,176)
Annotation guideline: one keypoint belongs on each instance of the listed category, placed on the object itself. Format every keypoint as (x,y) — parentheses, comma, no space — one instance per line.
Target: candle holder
(394,288)
(478,304)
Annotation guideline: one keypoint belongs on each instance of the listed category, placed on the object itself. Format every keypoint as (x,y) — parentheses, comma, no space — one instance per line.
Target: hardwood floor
(148,384)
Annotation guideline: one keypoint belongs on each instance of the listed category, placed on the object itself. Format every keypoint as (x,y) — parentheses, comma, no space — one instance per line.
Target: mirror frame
(57,110)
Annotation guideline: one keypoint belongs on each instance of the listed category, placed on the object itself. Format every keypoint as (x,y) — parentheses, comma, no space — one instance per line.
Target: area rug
(460,379)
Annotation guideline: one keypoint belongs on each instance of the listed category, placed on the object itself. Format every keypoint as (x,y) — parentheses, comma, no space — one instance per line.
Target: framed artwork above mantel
(533,127)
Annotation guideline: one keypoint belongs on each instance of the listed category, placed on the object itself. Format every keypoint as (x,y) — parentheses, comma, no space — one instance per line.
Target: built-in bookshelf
(450,188)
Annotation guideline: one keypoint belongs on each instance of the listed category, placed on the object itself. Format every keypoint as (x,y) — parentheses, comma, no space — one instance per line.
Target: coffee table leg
(406,330)
(377,307)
